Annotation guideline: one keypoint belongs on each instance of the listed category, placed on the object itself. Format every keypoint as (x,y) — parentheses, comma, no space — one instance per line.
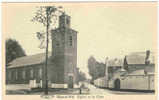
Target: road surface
(96,90)
(91,89)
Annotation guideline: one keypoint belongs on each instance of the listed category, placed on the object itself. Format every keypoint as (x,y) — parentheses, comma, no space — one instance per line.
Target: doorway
(70,82)
(117,84)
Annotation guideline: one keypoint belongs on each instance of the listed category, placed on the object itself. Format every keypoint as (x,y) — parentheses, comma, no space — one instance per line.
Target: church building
(62,62)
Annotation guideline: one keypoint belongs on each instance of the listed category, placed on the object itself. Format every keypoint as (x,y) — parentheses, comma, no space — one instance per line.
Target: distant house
(139,60)
(137,72)
(62,62)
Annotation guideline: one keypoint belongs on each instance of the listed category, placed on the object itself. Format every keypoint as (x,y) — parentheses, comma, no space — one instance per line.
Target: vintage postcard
(80,50)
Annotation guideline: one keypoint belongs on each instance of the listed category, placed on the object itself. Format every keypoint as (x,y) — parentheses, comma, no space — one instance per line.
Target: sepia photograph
(84,48)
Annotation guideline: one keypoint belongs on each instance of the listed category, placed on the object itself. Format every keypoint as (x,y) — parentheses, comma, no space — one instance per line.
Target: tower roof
(64,14)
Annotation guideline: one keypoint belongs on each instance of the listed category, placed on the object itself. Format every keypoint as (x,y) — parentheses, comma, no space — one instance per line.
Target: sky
(110,29)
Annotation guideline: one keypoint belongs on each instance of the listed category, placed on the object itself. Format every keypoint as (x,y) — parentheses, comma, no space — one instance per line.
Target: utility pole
(47,40)
(106,72)
(44,17)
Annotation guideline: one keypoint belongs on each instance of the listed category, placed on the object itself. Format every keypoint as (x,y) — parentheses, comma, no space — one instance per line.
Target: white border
(158,51)
(71,0)
(63,1)
(0,52)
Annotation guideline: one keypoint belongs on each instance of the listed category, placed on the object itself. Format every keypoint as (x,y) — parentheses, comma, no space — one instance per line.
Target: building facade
(62,62)
(137,73)
(64,52)
(112,66)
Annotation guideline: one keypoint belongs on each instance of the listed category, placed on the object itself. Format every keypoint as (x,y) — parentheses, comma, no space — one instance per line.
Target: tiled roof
(139,58)
(28,60)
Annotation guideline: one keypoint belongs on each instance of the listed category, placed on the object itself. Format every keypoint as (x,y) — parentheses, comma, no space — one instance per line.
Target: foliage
(100,67)
(13,50)
(47,16)
(92,67)
(82,76)
(95,68)
(43,11)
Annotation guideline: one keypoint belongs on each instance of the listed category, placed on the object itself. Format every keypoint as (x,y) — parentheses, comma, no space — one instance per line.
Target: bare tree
(46,15)
(41,17)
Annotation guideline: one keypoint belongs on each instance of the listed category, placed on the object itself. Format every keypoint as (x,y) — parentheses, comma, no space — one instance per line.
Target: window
(70,40)
(67,21)
(31,73)
(23,74)
(16,74)
(40,72)
(10,75)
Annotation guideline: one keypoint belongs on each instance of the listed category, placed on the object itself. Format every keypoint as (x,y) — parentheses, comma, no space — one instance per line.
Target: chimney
(147,61)
(125,66)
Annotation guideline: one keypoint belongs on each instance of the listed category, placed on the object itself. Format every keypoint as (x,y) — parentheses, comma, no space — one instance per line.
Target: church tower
(64,52)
